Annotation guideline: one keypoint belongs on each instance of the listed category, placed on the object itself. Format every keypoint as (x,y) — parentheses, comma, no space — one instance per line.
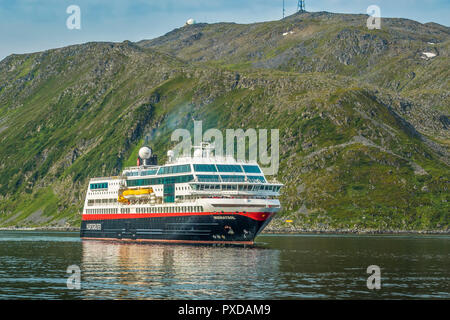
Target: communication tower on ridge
(301,6)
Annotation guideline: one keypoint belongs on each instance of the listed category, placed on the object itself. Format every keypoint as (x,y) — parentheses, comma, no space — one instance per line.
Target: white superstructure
(202,183)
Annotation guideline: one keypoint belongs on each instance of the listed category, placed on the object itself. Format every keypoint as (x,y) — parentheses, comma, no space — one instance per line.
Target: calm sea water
(33,265)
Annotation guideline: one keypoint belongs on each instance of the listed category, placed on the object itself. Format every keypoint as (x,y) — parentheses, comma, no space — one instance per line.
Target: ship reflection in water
(33,265)
(114,270)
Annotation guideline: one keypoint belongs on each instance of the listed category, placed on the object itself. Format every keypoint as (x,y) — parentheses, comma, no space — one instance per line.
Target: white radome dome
(170,153)
(145,153)
(190,21)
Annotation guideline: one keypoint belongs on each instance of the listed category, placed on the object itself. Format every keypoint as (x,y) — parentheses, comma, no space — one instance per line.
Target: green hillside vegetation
(363,117)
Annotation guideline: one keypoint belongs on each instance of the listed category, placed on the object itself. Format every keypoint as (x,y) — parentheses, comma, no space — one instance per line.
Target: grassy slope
(348,157)
(389,59)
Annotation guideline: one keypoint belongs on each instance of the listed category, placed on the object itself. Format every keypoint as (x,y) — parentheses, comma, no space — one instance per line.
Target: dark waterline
(33,265)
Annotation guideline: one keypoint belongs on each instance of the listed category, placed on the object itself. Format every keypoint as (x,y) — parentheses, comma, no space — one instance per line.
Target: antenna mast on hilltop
(301,6)
(283,9)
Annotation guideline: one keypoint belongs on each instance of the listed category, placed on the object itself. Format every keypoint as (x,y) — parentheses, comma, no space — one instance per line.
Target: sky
(36,25)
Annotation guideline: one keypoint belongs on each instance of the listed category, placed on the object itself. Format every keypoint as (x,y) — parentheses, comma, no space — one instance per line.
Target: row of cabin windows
(251,169)
(205,168)
(170,209)
(162,170)
(95,186)
(198,168)
(271,188)
(225,178)
(207,178)
(235,187)
(175,169)
(226,168)
(147,210)
(102,211)
(229,168)
(149,172)
(256,179)
(153,181)
(188,178)
(232,178)
(92,202)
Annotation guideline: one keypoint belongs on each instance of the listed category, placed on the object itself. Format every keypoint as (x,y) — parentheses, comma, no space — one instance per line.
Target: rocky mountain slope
(391,58)
(362,114)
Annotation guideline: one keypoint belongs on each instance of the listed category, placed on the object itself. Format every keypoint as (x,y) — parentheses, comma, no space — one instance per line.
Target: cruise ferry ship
(201,199)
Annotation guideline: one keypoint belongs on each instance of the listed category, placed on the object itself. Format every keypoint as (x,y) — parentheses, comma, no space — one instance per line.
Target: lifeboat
(125,195)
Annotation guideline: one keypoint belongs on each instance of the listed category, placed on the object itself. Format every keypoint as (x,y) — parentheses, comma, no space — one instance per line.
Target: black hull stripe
(172,241)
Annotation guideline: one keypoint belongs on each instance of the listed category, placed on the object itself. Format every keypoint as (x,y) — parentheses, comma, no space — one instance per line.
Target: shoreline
(372,232)
(40,229)
(270,231)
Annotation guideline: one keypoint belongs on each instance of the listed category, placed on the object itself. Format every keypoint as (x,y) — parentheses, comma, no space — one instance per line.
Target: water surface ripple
(33,266)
